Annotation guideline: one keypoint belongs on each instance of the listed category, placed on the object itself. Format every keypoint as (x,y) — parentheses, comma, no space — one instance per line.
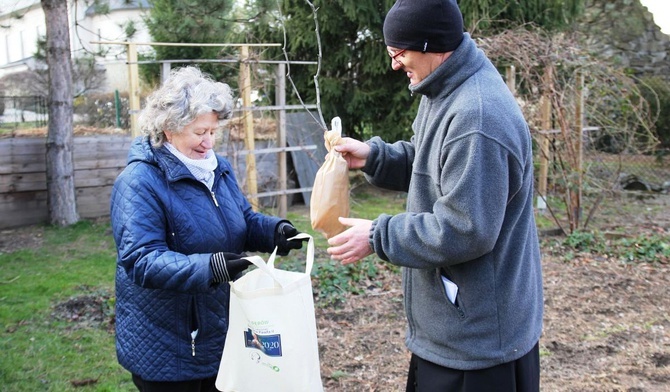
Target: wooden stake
(248,121)
(543,140)
(579,146)
(510,78)
(134,92)
(280,100)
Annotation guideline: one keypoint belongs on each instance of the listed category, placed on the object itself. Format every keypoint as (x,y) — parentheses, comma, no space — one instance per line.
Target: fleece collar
(462,64)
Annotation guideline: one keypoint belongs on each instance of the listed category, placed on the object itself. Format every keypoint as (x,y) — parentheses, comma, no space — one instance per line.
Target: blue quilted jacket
(166,225)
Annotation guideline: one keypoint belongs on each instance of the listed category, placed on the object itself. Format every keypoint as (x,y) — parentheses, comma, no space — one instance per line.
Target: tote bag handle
(269,267)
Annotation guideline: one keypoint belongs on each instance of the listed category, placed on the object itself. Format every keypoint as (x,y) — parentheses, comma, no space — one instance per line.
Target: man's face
(417,65)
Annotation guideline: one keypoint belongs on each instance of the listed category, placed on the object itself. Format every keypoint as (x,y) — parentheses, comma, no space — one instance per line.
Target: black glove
(284,231)
(226,266)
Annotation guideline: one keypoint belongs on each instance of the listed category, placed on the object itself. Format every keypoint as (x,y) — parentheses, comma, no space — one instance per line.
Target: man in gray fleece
(468,242)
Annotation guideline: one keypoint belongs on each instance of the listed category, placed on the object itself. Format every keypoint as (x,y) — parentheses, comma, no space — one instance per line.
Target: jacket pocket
(451,291)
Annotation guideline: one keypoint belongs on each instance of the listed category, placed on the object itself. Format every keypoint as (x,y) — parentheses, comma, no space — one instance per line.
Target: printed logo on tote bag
(270,345)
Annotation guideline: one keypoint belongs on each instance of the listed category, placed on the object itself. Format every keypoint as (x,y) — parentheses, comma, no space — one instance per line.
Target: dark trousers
(205,385)
(522,375)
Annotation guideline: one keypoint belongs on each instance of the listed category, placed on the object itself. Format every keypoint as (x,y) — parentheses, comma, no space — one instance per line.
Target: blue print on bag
(270,345)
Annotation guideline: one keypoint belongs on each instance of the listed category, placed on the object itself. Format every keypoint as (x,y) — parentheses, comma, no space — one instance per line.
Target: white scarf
(202,169)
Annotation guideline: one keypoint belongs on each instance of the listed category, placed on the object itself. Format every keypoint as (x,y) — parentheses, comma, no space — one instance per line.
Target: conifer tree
(189,21)
(356,81)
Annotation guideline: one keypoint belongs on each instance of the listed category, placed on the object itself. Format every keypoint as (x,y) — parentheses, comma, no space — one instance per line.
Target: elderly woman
(181,225)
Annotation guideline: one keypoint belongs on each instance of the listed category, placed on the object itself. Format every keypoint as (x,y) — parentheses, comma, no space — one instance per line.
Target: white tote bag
(271,344)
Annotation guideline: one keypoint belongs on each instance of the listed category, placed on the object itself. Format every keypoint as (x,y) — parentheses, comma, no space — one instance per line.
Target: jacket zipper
(216,203)
(221,215)
(193,335)
(193,325)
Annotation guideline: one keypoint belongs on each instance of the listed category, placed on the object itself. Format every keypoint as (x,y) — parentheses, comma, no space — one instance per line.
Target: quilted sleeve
(139,227)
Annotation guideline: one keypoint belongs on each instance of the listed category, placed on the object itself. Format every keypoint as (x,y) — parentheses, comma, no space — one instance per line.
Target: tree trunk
(59,156)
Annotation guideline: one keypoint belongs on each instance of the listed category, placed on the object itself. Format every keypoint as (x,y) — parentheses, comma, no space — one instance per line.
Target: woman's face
(196,138)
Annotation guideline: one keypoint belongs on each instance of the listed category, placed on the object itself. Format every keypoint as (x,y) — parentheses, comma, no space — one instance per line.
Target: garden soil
(606,322)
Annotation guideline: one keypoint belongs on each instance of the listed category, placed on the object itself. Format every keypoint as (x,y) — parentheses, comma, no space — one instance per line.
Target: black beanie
(424,25)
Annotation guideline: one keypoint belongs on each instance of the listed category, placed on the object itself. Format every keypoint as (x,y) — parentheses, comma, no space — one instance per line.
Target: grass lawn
(46,343)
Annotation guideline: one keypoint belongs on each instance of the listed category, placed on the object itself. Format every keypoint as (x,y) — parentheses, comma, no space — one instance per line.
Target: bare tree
(576,88)
(59,156)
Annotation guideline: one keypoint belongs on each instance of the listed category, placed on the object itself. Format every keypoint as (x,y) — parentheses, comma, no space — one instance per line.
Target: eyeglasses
(394,57)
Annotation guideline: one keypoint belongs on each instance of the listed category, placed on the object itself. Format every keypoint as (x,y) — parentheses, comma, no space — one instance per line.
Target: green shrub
(644,249)
(638,249)
(585,241)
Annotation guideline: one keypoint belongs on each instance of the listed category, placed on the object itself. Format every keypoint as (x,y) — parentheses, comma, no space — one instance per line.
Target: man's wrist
(371,236)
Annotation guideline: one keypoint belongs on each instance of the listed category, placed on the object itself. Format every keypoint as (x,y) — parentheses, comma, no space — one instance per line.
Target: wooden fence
(98,159)
(23,189)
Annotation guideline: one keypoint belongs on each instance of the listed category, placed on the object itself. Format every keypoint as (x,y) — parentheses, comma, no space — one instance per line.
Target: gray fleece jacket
(468,171)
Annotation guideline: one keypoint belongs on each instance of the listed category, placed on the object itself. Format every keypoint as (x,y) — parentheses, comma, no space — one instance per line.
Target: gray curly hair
(185,95)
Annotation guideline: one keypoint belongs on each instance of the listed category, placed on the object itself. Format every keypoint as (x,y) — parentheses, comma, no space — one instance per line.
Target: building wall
(18,41)
(18,38)
(109,27)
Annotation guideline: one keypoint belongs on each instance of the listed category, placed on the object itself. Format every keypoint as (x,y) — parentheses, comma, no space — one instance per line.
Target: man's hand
(352,244)
(353,151)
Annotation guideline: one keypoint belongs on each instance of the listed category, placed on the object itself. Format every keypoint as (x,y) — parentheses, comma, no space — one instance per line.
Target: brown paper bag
(330,194)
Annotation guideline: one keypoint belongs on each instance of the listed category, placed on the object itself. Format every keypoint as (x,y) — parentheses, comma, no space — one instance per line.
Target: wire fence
(606,166)
(627,171)
(23,112)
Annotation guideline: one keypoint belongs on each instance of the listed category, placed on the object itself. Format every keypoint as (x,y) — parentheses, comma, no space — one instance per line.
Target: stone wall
(624,31)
